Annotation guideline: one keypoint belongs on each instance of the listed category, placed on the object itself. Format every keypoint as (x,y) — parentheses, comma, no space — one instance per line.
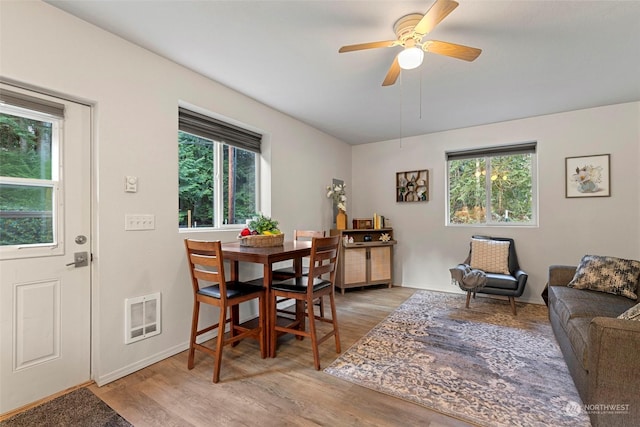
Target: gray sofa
(602,352)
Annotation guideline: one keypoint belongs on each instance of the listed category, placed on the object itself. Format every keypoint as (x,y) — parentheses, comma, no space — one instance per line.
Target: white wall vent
(142,317)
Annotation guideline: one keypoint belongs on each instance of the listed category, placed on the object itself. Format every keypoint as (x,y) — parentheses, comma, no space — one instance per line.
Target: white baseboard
(148,361)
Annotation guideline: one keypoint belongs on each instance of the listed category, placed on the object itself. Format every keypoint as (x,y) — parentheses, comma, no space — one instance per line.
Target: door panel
(37,330)
(45,322)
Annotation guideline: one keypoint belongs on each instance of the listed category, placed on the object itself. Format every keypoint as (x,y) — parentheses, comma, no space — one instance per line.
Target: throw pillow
(632,314)
(607,274)
(490,256)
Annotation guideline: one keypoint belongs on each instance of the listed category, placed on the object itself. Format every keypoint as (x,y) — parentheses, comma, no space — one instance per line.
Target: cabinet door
(380,264)
(355,265)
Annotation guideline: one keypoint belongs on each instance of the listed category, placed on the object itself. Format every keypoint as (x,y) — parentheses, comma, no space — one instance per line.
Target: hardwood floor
(284,391)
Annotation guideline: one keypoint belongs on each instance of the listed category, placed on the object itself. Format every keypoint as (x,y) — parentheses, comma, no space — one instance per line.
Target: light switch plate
(134,222)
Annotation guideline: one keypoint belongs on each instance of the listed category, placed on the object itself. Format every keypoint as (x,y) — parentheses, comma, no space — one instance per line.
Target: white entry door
(45,218)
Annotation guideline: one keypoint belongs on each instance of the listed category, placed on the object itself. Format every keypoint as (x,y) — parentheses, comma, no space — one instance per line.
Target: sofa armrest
(613,362)
(561,275)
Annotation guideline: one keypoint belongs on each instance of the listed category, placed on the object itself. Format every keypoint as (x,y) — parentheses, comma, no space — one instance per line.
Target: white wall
(136,95)
(568,228)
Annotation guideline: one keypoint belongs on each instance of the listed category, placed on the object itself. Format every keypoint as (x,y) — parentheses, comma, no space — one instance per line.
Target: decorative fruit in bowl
(264,225)
(261,231)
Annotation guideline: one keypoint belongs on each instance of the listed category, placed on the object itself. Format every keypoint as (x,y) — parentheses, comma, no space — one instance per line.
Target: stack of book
(378,221)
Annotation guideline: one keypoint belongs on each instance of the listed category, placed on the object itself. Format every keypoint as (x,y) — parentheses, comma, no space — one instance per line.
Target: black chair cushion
(234,289)
(501,281)
(299,284)
(290,271)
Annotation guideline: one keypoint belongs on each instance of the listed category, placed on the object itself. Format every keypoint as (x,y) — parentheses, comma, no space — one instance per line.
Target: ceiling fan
(410,30)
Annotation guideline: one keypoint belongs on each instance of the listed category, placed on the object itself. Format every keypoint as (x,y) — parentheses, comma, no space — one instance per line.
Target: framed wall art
(412,186)
(588,176)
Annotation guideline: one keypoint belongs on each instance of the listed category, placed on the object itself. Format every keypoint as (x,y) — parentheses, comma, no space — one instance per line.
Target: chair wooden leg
(219,344)
(273,314)
(194,333)
(262,318)
(313,333)
(512,300)
(235,320)
(468,298)
(334,319)
(321,305)
(300,317)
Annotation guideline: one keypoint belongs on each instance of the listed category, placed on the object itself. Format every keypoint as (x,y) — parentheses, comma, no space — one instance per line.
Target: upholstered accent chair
(497,257)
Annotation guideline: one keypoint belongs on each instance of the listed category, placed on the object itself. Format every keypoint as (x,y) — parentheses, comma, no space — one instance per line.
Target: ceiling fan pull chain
(420,100)
(401,108)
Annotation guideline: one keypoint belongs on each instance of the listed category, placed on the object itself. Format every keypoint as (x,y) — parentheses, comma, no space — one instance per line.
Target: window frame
(487,153)
(218,206)
(55,247)
(218,166)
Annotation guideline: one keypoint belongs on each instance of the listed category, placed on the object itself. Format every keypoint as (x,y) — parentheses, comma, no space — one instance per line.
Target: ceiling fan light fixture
(410,58)
(410,31)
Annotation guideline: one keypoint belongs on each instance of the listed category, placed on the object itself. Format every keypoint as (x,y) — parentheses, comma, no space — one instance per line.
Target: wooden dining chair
(290,272)
(206,266)
(319,282)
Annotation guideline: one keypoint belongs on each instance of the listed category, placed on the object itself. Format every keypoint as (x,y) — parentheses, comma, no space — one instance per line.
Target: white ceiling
(539,57)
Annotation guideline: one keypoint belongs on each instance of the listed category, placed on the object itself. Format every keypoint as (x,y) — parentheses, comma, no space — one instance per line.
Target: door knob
(80,259)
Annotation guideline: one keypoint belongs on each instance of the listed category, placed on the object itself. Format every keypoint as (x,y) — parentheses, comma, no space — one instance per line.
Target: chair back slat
(207,276)
(206,264)
(307,234)
(207,259)
(323,259)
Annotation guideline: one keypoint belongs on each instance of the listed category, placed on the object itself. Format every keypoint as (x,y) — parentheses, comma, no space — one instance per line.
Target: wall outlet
(133,222)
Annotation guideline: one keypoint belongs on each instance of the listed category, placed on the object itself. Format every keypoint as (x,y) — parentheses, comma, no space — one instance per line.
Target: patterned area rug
(481,365)
(79,408)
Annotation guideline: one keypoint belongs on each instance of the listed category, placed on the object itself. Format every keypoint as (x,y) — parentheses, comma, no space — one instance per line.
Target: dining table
(295,250)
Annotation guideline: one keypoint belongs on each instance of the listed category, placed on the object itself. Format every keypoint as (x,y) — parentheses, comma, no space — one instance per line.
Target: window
(29,137)
(218,171)
(492,186)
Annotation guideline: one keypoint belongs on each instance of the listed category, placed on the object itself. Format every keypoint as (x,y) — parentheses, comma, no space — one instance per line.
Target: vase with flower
(337,192)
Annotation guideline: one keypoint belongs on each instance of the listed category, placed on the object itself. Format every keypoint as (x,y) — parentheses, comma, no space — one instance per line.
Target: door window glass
(28,177)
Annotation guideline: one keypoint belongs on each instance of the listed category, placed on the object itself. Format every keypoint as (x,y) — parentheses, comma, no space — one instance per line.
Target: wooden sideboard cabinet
(366,261)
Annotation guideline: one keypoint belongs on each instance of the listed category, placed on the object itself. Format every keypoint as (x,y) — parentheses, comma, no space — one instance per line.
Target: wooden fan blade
(393,73)
(435,14)
(362,46)
(453,50)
